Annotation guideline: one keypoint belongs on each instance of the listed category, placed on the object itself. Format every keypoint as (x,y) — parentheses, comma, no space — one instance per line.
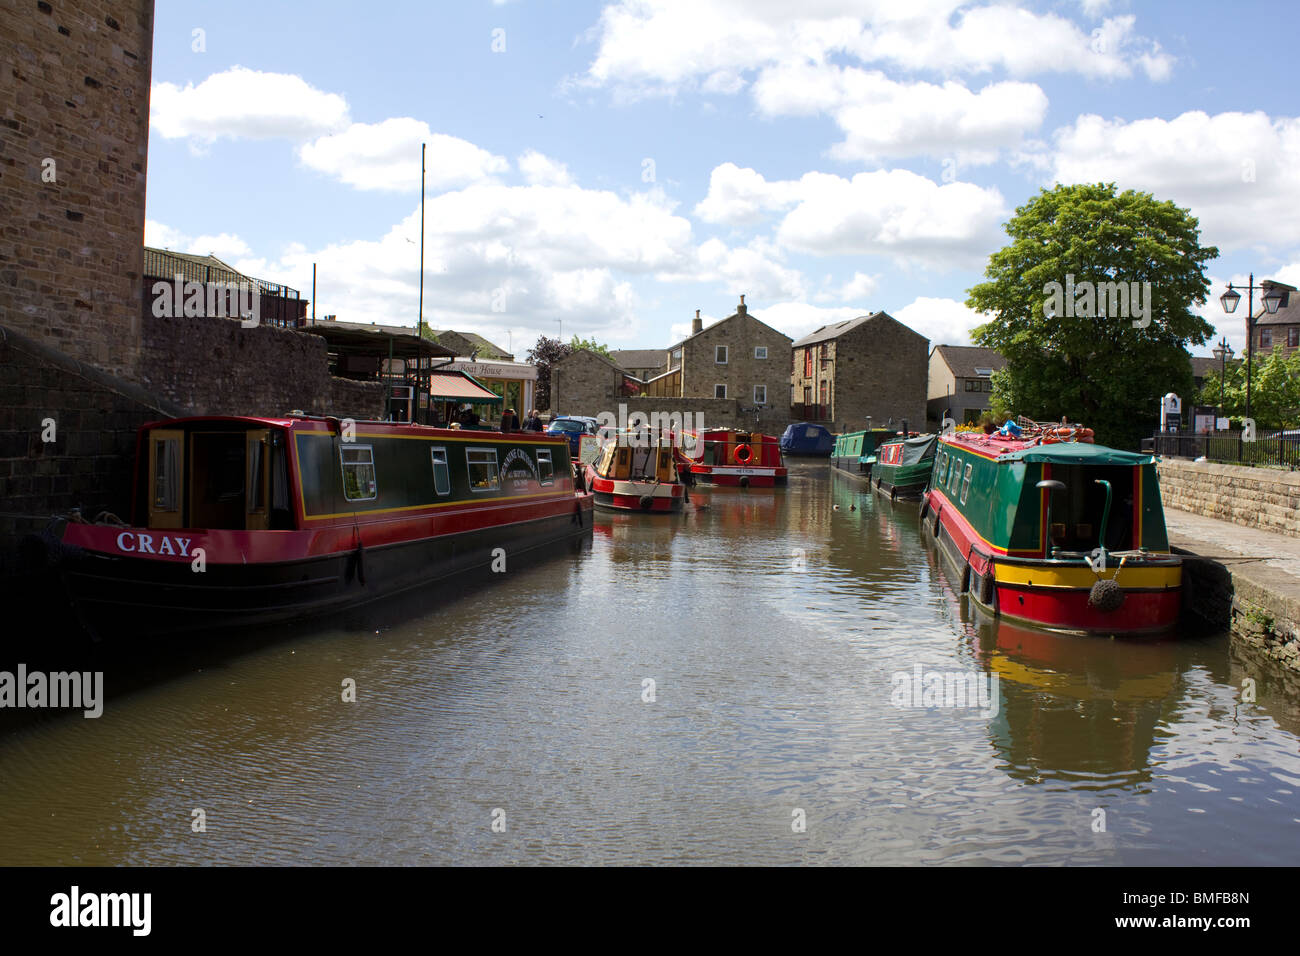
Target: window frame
(496,468)
(720,386)
(344,448)
(965,484)
(547,478)
(722,350)
(446,468)
(760,348)
(757,400)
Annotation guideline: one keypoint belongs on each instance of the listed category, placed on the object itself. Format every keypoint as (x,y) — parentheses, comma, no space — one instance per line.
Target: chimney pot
(697,324)
(742,309)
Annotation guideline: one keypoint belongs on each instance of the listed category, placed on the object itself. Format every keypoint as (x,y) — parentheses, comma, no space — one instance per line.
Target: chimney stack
(742,309)
(697,324)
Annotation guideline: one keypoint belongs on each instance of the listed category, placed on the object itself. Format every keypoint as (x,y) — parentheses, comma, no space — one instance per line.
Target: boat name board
(131,542)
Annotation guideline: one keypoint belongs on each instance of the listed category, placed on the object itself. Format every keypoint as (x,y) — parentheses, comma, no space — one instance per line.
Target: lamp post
(1222,352)
(1272,299)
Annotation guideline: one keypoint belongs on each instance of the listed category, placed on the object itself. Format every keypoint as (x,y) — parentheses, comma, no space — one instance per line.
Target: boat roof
(326,423)
(1005,448)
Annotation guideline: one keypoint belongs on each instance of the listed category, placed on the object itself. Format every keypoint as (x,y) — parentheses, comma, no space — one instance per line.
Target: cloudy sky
(606,169)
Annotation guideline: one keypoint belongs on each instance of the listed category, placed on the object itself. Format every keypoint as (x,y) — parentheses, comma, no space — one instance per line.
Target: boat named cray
(1045,526)
(241,520)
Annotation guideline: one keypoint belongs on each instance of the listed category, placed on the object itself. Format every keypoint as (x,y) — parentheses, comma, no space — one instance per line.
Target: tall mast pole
(420,325)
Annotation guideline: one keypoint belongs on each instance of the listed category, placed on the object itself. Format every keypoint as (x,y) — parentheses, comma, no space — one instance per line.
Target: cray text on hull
(242,521)
(634,472)
(903,465)
(736,458)
(854,453)
(1063,534)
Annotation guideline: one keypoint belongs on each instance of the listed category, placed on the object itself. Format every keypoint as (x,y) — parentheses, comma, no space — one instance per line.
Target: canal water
(726,686)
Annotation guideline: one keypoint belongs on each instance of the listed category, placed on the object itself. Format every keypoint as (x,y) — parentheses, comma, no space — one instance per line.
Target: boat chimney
(742,309)
(697,324)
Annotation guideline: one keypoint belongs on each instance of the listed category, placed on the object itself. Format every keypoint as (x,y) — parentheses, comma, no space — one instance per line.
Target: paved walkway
(1234,545)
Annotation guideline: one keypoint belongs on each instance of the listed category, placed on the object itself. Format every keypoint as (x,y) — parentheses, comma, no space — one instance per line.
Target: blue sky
(608,168)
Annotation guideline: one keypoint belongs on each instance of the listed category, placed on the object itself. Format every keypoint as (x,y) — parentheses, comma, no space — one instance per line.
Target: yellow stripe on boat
(1081,577)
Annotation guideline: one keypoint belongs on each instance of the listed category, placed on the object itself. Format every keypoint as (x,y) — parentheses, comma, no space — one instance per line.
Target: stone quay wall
(1255,497)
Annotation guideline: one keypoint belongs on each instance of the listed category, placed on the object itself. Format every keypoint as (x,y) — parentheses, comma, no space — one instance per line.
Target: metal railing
(1280,450)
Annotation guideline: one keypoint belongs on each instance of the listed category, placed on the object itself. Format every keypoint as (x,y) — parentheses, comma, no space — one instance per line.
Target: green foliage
(1274,389)
(544,355)
(1100,371)
(591,345)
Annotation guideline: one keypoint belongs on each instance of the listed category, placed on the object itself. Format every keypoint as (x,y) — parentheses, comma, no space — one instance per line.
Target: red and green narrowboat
(731,457)
(903,465)
(1055,531)
(635,472)
(855,452)
(243,521)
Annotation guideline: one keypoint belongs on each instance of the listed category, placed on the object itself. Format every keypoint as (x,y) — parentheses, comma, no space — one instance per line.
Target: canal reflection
(672,693)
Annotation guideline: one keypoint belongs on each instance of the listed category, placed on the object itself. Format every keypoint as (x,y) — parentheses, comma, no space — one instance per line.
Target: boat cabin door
(257,461)
(166,479)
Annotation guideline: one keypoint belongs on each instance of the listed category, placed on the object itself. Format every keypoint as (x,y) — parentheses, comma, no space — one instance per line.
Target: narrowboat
(903,465)
(1051,529)
(637,473)
(730,457)
(855,452)
(807,438)
(245,521)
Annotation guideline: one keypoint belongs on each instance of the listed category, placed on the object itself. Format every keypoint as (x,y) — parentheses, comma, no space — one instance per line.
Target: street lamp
(1222,352)
(1229,299)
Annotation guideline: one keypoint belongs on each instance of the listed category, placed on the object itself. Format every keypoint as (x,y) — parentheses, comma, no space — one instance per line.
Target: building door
(165,478)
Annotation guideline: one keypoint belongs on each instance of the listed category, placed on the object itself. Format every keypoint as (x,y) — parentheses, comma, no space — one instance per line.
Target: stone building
(644,364)
(586,383)
(873,366)
(74,115)
(737,358)
(1283,326)
(961,383)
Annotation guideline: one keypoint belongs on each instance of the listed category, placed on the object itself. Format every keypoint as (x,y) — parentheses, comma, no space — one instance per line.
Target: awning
(453,386)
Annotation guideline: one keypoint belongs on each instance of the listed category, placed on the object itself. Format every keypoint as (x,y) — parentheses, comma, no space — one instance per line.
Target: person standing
(510,421)
(534,422)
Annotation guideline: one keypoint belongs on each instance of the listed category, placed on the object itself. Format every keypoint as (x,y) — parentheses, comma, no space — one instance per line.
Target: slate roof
(963,360)
(640,358)
(836,329)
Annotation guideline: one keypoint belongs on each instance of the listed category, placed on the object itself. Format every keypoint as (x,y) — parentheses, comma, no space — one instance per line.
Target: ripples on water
(772,691)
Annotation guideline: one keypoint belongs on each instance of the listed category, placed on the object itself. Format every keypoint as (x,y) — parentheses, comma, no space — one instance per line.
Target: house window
(760,394)
(972,385)
(720,354)
(760,351)
(965,484)
(675,359)
(1293,337)
(984,372)
(441,472)
(988,386)
(545,470)
(719,391)
(358,472)
(483,475)
(807,363)
(1265,338)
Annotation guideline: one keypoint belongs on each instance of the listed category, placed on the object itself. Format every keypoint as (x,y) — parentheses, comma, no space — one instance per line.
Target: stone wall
(1255,497)
(74,127)
(741,333)
(214,366)
(89,462)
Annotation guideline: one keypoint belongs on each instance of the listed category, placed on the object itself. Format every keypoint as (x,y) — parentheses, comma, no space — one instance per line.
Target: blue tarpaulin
(804,438)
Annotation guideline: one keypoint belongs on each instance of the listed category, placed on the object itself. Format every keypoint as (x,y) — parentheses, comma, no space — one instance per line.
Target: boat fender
(1106,596)
(358,564)
(937,524)
(987,585)
(647,502)
(965,580)
(744,481)
(577,513)
(925,508)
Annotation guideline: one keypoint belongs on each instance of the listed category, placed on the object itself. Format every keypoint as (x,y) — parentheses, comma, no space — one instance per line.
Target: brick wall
(74,89)
(214,366)
(89,463)
(1254,497)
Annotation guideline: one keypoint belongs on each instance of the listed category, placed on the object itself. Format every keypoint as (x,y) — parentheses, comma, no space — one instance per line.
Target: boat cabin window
(965,484)
(256,461)
(545,469)
(953,475)
(441,471)
(358,472)
(483,474)
(167,468)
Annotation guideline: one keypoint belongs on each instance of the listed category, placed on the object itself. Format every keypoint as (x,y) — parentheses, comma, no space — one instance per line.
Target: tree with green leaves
(544,355)
(591,345)
(1275,390)
(1090,304)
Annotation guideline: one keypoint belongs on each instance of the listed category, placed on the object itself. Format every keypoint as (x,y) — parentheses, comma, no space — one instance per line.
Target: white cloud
(386,156)
(756,269)
(226,246)
(858,289)
(741,196)
(541,170)
(655,47)
(1238,173)
(942,321)
(883,118)
(245,104)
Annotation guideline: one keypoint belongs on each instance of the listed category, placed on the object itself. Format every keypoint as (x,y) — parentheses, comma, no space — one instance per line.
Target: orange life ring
(749,455)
